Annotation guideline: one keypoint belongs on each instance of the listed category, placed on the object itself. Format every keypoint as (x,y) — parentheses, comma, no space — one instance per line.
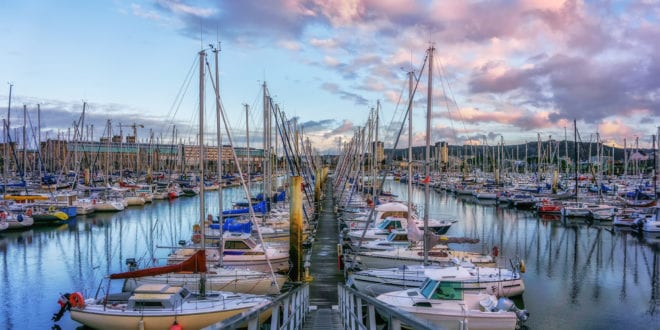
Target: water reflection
(580,273)
(38,264)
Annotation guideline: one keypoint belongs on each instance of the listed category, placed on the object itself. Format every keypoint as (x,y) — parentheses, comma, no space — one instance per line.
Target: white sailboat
(448,306)
(498,281)
(450,297)
(159,306)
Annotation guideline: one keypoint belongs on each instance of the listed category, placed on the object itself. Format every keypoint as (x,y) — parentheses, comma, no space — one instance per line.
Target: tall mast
(24,139)
(427,167)
(566,148)
(655,163)
(202,58)
(39,138)
(577,157)
(220,148)
(266,167)
(625,157)
(410,137)
(247,151)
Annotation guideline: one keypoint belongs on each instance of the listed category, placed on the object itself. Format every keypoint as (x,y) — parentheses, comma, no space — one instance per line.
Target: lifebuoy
(3,215)
(94,201)
(76,300)
(28,212)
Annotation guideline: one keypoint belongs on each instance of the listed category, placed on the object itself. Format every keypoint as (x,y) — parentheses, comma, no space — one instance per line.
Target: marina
(579,274)
(196,225)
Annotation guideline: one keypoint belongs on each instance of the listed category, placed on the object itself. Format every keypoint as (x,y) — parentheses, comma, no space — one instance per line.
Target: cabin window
(236,245)
(400,238)
(184,293)
(448,291)
(428,287)
(148,304)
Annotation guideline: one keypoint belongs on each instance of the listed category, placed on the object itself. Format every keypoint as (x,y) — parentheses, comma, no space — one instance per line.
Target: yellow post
(317,189)
(295,228)
(325,174)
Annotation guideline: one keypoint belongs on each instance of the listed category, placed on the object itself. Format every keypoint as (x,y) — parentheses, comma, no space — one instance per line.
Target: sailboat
(442,297)
(160,305)
(447,306)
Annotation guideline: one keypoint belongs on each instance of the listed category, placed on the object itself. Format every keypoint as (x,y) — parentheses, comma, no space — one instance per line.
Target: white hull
(223,279)
(134,201)
(452,314)
(403,256)
(108,206)
(484,279)
(114,317)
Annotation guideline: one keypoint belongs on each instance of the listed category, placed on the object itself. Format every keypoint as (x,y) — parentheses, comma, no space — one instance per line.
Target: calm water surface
(579,275)
(39,264)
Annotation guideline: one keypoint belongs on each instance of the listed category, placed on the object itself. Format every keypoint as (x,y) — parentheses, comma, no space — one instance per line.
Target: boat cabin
(434,289)
(390,224)
(239,243)
(157,296)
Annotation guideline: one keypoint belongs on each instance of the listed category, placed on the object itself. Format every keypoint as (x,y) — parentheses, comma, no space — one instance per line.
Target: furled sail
(195,264)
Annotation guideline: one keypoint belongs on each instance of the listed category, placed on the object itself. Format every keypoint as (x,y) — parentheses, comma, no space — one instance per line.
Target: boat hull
(118,319)
(375,286)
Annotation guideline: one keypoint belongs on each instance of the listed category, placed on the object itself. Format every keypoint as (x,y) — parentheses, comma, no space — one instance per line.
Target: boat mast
(427,167)
(202,58)
(7,127)
(39,139)
(410,137)
(219,137)
(24,139)
(266,171)
(247,151)
(655,164)
(577,159)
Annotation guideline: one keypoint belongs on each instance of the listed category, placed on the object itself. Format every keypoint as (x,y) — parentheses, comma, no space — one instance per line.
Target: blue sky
(509,68)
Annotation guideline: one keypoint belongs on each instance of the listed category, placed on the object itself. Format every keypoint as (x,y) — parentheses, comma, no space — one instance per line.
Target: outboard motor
(507,305)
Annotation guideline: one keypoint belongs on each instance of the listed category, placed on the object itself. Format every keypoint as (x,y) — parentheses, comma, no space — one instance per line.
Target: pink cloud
(616,128)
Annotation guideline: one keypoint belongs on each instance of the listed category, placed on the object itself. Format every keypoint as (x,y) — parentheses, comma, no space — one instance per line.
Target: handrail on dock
(288,311)
(351,307)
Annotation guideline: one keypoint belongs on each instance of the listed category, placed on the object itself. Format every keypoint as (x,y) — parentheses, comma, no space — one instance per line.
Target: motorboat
(501,282)
(446,305)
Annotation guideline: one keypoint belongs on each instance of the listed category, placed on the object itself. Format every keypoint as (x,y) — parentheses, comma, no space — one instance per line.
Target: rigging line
(396,108)
(246,188)
(176,103)
(370,217)
(444,81)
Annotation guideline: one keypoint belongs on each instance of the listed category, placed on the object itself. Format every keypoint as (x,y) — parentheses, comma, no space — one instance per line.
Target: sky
(503,70)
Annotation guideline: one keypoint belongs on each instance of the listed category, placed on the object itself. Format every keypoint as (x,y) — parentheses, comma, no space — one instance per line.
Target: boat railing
(352,304)
(288,311)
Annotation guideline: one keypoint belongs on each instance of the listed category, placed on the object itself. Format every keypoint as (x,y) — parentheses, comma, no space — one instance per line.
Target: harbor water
(579,274)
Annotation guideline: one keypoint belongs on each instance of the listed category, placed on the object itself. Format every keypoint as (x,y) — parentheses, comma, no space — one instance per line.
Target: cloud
(345,127)
(520,65)
(324,43)
(355,98)
(315,126)
(59,119)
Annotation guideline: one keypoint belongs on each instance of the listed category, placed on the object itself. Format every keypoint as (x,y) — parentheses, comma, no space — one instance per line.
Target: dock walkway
(324,269)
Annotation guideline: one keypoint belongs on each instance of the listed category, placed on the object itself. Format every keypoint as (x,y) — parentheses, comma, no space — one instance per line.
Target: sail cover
(196,264)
